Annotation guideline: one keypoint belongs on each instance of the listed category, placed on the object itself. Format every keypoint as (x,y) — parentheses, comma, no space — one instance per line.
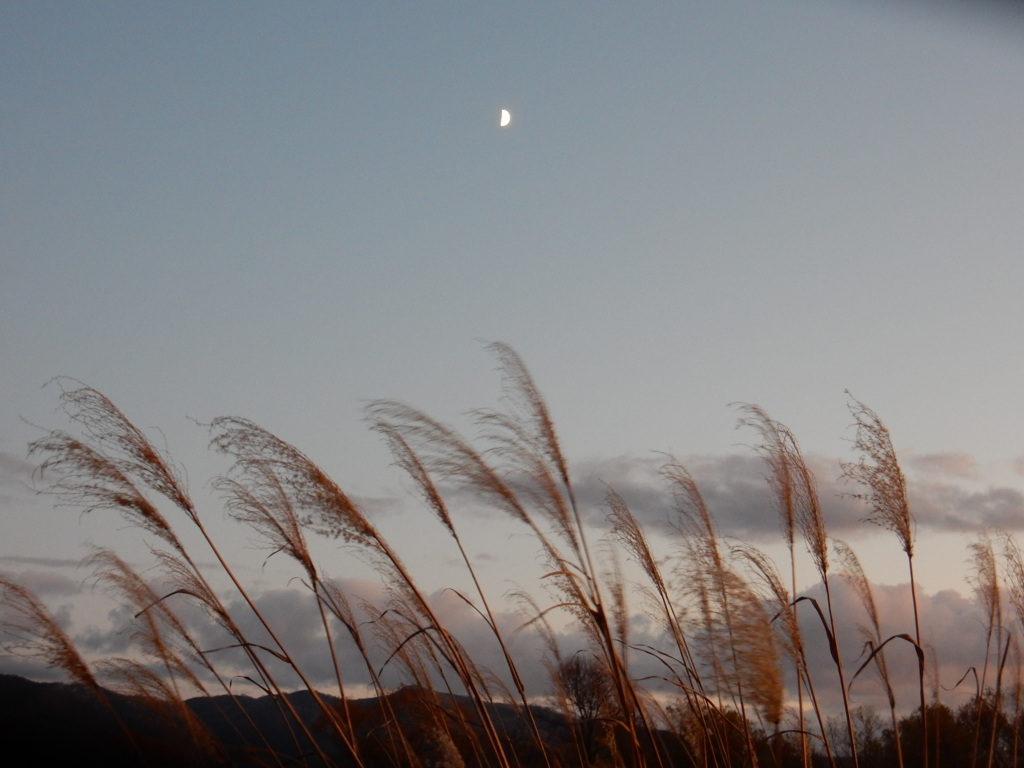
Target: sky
(285,212)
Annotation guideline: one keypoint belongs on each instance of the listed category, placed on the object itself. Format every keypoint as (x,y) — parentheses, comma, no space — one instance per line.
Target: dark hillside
(63,724)
(59,723)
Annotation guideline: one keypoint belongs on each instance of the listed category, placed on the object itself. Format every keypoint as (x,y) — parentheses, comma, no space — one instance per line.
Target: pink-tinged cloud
(943,465)
(43,583)
(951,625)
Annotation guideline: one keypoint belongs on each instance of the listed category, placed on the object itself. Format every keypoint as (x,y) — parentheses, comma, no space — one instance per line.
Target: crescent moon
(506,118)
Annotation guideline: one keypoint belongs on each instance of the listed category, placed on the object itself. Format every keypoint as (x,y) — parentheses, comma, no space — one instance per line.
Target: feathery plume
(124,443)
(37,634)
(879,472)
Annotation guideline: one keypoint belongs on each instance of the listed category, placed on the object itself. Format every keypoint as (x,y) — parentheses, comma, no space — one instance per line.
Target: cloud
(109,641)
(13,467)
(379,506)
(43,583)
(733,487)
(293,615)
(46,562)
(960,465)
(949,507)
(952,626)
(740,501)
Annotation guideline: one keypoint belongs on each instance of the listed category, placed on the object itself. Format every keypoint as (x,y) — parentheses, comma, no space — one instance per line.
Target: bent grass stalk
(878,471)
(987,588)
(855,576)
(785,616)
(779,450)
(719,590)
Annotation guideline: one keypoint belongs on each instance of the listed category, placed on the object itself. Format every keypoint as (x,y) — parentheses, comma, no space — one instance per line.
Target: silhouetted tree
(589,693)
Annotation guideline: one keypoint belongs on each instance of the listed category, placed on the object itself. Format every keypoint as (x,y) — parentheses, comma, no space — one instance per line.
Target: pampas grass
(726,615)
(878,471)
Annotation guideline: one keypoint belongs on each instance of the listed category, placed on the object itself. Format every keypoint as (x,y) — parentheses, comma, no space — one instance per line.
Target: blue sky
(283,212)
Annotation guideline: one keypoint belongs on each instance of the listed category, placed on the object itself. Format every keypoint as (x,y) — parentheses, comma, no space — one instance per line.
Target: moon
(506,118)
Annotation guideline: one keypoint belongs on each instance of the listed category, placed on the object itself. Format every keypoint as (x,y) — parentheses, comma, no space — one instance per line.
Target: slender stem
(842,676)
(805,753)
(917,637)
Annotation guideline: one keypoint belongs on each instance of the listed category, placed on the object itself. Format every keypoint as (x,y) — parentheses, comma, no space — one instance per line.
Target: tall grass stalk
(408,460)
(878,471)
(985,578)
(722,598)
(797,485)
(627,530)
(536,477)
(784,615)
(779,450)
(527,440)
(854,574)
